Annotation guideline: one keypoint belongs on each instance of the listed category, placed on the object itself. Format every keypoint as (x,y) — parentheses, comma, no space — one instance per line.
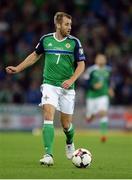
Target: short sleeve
(39,49)
(78,52)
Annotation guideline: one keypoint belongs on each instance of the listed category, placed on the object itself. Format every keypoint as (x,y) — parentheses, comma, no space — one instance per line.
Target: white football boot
(47,160)
(70,148)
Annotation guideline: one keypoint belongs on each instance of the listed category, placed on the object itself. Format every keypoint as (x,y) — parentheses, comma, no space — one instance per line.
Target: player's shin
(70,148)
(104,128)
(48,136)
(69,134)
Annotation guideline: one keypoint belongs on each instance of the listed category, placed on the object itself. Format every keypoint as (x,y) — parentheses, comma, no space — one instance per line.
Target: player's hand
(111,92)
(66,84)
(98,85)
(11,70)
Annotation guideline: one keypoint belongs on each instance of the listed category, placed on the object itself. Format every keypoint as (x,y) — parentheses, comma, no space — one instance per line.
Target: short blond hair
(59,16)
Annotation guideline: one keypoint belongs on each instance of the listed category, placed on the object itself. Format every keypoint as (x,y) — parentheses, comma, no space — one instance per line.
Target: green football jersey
(60,58)
(95,75)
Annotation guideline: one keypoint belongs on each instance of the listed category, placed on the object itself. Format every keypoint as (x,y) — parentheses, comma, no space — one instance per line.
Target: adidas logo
(50,44)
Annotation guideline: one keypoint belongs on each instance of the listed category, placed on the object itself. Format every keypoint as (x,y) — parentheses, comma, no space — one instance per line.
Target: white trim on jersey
(46,35)
(73,37)
(58,39)
(93,68)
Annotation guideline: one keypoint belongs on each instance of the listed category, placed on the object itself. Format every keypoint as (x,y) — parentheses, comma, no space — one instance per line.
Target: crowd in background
(102,26)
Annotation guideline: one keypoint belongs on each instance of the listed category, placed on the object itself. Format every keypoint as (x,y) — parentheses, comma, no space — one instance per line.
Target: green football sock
(48,136)
(104,125)
(69,134)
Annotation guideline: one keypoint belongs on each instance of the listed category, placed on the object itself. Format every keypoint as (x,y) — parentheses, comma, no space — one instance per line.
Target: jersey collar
(58,39)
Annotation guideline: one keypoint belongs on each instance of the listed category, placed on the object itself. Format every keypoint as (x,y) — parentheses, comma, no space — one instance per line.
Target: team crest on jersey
(68,45)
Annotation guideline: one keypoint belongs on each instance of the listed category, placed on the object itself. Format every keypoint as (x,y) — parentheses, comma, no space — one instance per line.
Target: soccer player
(64,63)
(98,92)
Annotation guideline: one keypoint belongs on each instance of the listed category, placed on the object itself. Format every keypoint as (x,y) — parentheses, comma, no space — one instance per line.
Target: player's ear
(58,26)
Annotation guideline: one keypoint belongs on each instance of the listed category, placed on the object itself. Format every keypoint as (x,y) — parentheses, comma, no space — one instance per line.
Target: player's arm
(79,70)
(79,58)
(30,60)
(111,92)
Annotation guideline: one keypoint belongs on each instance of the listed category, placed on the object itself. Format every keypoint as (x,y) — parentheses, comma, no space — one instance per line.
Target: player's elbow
(34,57)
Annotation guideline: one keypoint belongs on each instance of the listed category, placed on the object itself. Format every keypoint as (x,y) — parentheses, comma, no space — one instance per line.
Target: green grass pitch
(20,154)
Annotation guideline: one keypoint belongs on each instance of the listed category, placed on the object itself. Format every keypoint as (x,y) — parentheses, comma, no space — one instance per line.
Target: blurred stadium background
(101,25)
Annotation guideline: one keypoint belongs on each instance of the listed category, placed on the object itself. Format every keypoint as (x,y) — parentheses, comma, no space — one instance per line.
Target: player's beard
(64,33)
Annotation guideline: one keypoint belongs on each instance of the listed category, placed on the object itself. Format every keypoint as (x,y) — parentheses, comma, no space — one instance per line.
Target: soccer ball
(82,158)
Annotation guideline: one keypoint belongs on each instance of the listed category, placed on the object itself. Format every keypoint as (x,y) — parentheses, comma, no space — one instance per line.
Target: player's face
(65,26)
(100,60)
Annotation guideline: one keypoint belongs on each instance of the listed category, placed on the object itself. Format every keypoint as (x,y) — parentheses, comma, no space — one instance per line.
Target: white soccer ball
(82,158)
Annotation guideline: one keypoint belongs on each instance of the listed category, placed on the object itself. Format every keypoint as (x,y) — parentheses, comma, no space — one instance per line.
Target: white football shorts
(62,99)
(95,105)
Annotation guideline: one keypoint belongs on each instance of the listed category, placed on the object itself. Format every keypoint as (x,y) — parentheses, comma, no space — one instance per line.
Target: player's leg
(48,134)
(66,106)
(48,128)
(49,103)
(103,103)
(103,125)
(90,109)
(66,121)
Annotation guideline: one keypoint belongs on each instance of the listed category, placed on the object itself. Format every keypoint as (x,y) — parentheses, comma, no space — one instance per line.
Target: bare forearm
(79,70)
(31,59)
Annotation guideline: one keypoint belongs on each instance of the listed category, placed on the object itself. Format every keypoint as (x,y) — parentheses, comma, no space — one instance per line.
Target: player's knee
(48,112)
(66,126)
(48,115)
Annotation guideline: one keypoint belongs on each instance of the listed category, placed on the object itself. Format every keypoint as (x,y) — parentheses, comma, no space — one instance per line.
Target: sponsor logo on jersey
(68,45)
